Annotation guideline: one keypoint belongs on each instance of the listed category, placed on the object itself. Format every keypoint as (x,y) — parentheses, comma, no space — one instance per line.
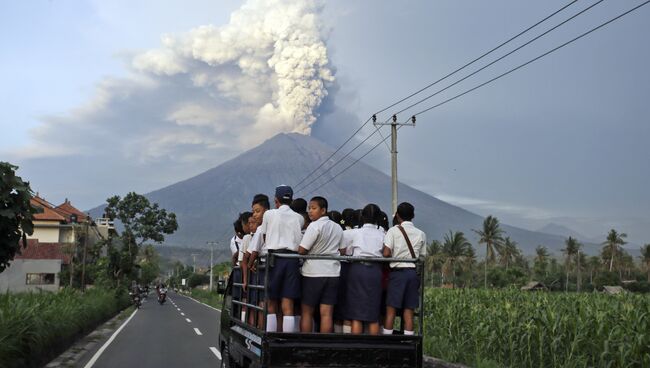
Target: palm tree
(572,248)
(508,252)
(468,264)
(455,249)
(594,262)
(491,236)
(541,259)
(581,262)
(613,245)
(645,257)
(433,262)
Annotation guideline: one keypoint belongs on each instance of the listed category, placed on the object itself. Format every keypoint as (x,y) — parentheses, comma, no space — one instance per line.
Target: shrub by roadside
(211,298)
(35,327)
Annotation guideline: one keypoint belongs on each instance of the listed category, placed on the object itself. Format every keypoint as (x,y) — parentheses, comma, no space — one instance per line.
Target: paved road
(179,333)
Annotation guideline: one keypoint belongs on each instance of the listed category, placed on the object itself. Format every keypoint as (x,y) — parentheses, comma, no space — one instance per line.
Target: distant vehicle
(244,345)
(137,300)
(162,295)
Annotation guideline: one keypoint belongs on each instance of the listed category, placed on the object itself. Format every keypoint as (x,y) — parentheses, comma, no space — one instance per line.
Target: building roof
(66,209)
(534,285)
(613,290)
(37,250)
(46,210)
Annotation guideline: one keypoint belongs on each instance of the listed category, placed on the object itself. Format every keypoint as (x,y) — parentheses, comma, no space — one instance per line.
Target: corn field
(35,327)
(512,328)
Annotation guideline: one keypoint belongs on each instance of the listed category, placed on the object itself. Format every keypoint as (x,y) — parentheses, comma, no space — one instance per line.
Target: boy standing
(282,233)
(320,277)
(403,241)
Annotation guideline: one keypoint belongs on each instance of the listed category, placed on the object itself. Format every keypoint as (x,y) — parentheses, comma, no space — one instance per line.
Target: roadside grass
(35,327)
(211,298)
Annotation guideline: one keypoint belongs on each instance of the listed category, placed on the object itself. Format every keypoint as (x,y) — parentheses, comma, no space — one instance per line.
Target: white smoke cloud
(210,89)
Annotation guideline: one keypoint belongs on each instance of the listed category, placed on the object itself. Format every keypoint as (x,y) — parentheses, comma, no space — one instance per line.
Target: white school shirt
(243,248)
(235,246)
(367,241)
(257,244)
(322,236)
(346,241)
(282,227)
(395,241)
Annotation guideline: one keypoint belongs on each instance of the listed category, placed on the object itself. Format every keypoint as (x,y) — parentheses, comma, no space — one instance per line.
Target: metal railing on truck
(257,291)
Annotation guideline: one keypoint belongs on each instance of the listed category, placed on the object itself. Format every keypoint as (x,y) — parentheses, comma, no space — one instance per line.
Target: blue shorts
(339,308)
(284,279)
(236,278)
(403,289)
(319,290)
(363,296)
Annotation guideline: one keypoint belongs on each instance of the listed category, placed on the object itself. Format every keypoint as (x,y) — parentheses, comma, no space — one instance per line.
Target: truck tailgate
(336,350)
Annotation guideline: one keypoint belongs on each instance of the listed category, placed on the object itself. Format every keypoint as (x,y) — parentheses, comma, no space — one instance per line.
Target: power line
(489,81)
(426,87)
(500,58)
(534,59)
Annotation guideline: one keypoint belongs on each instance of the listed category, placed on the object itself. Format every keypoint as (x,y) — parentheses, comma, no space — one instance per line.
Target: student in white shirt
(349,222)
(235,250)
(320,277)
(245,220)
(403,282)
(259,206)
(282,234)
(364,278)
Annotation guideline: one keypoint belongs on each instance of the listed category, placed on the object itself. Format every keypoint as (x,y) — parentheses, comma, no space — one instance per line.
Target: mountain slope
(207,204)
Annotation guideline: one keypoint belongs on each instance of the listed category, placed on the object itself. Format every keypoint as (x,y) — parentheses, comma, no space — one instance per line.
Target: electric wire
(429,86)
(488,82)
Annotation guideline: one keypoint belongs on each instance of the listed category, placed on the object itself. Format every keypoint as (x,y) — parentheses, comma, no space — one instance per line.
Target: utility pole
(393,152)
(193,262)
(211,244)
(83,262)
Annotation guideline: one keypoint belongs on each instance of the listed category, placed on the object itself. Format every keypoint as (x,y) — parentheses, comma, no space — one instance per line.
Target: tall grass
(35,327)
(211,298)
(523,329)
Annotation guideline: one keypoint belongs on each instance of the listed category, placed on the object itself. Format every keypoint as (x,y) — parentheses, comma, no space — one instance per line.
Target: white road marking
(188,320)
(182,314)
(209,306)
(216,352)
(178,309)
(197,331)
(99,352)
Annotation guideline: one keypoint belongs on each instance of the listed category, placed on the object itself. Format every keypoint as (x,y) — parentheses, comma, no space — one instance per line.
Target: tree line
(452,262)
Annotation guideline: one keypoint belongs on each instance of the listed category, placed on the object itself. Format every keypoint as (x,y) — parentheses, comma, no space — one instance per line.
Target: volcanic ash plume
(268,68)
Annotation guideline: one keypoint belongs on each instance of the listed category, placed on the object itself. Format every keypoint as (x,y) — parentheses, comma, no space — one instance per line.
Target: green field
(35,327)
(537,329)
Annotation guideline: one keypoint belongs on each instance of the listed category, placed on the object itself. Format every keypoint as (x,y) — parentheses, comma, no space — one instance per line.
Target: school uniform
(282,230)
(256,244)
(363,295)
(403,282)
(321,277)
(235,247)
(341,296)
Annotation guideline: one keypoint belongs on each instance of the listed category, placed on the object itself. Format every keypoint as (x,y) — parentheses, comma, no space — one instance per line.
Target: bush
(35,327)
(208,297)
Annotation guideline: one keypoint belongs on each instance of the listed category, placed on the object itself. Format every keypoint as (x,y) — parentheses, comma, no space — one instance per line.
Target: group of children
(345,296)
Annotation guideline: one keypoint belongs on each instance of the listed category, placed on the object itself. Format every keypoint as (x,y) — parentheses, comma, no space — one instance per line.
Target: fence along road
(179,333)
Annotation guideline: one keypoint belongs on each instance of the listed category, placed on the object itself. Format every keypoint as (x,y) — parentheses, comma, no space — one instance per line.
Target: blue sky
(563,140)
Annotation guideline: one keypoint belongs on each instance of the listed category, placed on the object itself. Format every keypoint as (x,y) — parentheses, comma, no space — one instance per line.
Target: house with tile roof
(59,232)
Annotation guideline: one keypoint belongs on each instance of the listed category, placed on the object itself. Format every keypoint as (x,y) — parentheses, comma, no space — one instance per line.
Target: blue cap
(284,192)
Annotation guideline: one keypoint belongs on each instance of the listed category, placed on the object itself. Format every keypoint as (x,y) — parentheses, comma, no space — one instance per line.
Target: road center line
(178,309)
(197,331)
(188,320)
(182,314)
(99,352)
(216,352)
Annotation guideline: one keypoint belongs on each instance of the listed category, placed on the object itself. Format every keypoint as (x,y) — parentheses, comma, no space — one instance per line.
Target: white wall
(45,234)
(14,277)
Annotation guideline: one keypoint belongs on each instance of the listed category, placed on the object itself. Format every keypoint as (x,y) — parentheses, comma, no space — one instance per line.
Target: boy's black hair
(336,217)
(262,200)
(348,218)
(383,220)
(321,201)
(299,205)
(286,201)
(239,228)
(244,216)
(370,214)
(406,211)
